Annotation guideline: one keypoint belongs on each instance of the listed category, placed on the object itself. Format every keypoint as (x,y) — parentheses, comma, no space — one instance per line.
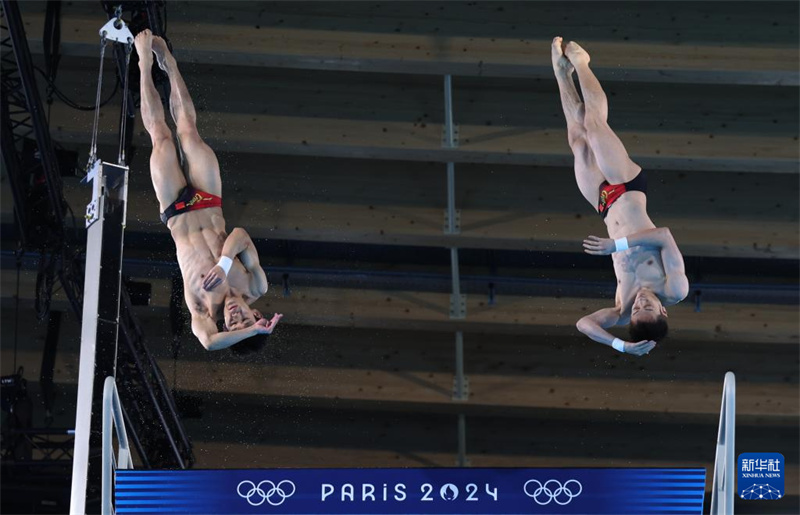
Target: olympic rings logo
(273,490)
(553,490)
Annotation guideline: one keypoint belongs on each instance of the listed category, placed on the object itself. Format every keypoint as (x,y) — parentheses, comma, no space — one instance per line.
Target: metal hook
(116,30)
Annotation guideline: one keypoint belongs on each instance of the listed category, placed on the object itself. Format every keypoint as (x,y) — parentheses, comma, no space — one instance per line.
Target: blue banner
(407,491)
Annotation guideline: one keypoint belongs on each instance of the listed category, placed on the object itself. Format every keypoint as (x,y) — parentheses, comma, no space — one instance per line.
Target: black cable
(16,314)
(52,38)
(174,373)
(74,222)
(70,102)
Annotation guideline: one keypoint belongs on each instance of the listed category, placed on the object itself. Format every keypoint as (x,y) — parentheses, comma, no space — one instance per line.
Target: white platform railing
(112,419)
(724,483)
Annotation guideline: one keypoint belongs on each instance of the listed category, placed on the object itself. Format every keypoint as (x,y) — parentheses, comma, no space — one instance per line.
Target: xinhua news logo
(760,476)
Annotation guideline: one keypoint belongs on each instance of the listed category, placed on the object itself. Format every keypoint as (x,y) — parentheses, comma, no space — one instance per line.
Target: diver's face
(238,314)
(647,307)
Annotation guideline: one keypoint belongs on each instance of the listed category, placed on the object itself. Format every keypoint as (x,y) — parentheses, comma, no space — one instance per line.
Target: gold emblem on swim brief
(604,195)
(197,198)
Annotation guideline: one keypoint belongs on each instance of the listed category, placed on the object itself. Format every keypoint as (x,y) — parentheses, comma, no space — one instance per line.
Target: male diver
(221,272)
(648,265)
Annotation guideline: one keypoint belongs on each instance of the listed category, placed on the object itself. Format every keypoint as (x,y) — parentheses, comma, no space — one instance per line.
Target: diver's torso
(637,267)
(199,236)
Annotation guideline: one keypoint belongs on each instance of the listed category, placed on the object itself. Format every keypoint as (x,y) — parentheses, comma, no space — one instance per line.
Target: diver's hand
(214,278)
(264,326)
(640,348)
(599,246)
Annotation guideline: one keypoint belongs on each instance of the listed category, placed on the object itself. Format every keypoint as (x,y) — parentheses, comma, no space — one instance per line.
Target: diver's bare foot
(144,44)
(576,55)
(561,64)
(163,55)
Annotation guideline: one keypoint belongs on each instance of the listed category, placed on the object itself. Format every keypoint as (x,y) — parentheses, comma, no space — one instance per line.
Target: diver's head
(648,317)
(237,314)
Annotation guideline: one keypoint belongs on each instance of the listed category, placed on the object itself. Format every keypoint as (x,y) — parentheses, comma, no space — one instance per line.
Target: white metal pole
(105,219)
(86,369)
(722,489)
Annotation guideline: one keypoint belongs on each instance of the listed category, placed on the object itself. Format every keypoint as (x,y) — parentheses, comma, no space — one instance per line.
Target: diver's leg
(587,174)
(202,167)
(609,152)
(165,170)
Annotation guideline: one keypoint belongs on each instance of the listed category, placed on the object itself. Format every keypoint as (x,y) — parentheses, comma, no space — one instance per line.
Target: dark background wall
(327,119)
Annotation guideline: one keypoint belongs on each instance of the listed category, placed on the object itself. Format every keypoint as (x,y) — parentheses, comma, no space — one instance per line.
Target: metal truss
(155,426)
(45,444)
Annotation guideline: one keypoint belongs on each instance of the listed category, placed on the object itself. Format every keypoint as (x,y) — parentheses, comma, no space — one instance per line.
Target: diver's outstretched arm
(205,329)
(594,326)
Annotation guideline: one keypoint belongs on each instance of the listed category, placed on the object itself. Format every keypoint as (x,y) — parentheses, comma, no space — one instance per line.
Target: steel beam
(782,294)
(34,105)
(13,166)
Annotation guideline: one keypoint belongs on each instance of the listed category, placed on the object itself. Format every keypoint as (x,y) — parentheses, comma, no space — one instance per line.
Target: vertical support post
(449,143)
(460,382)
(463,461)
(722,488)
(452,217)
(448,110)
(105,220)
(458,304)
(461,394)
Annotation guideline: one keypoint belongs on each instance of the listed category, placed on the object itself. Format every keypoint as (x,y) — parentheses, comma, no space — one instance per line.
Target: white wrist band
(618,345)
(621,244)
(225,264)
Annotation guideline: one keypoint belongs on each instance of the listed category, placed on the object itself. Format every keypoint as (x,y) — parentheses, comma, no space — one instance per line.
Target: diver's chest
(644,264)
